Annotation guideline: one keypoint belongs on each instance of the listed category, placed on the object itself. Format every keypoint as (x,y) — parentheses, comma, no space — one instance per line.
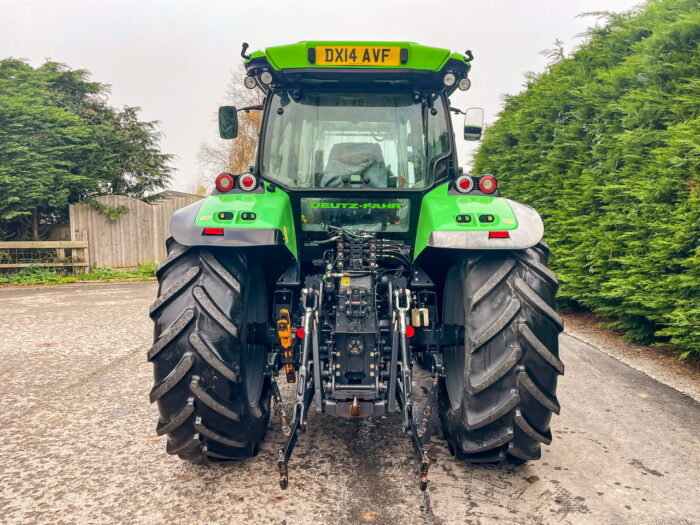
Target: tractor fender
(186,232)
(528,233)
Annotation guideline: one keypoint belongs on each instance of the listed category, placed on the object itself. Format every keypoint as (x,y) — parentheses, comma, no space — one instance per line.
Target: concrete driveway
(78,442)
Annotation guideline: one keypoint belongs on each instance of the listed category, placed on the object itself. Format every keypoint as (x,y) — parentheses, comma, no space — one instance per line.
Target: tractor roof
(369,63)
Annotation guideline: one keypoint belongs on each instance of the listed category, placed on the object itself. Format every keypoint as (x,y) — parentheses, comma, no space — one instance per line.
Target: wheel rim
(454,355)
(254,355)
(254,379)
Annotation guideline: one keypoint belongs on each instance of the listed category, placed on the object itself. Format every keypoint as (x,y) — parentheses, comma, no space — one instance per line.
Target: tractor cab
(356,133)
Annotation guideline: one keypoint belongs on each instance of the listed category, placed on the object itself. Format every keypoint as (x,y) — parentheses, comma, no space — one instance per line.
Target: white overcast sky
(174,58)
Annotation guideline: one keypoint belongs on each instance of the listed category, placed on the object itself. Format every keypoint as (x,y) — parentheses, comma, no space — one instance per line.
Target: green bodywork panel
(272,211)
(439,212)
(295,56)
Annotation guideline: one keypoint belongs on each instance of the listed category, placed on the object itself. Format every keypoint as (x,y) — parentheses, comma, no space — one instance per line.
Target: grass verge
(34,275)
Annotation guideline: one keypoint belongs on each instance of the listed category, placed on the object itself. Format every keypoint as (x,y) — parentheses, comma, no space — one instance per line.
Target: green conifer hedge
(606,146)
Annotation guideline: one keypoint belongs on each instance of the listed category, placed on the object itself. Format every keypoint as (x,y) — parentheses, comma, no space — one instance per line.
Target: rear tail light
(213,231)
(464,184)
(499,235)
(224,182)
(247,182)
(487,184)
(410,331)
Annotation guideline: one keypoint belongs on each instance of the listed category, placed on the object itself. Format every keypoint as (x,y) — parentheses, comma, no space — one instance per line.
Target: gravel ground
(661,362)
(78,444)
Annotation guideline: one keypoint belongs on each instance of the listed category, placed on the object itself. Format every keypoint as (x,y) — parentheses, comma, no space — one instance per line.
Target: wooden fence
(136,237)
(22,254)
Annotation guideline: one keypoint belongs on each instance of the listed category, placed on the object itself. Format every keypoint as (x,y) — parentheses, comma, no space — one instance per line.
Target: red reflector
(499,235)
(410,331)
(213,231)
(300,333)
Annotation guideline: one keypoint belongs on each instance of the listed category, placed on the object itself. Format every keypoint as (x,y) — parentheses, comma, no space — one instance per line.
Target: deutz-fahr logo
(356,205)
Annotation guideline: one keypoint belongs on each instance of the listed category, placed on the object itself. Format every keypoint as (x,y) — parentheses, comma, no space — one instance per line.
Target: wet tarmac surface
(78,442)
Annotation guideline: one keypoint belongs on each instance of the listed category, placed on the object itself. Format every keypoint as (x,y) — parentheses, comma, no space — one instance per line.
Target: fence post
(86,252)
(156,231)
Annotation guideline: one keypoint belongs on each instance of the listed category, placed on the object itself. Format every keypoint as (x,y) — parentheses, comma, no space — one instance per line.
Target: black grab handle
(245,47)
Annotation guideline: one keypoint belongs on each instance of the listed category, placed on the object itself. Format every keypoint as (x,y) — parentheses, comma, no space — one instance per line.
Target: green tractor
(354,248)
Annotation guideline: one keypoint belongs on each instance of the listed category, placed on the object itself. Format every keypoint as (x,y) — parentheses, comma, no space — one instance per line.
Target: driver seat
(355,161)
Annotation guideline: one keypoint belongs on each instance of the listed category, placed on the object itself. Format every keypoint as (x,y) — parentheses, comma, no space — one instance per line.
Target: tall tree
(60,141)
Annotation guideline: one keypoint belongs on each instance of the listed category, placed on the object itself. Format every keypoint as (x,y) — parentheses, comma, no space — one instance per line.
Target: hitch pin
(279,407)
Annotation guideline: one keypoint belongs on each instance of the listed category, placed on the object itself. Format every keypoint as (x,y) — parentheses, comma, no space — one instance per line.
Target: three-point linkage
(306,386)
(402,304)
(399,388)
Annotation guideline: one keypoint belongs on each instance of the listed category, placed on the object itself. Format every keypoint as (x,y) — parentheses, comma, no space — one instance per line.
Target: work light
(266,77)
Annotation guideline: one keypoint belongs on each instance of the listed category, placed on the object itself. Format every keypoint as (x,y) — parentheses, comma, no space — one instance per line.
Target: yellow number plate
(358,56)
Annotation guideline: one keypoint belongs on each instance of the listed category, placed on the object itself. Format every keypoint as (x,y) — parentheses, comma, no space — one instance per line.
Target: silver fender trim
(185,232)
(529,232)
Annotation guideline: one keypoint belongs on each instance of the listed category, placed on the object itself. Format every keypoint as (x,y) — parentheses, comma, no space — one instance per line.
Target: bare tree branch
(238,155)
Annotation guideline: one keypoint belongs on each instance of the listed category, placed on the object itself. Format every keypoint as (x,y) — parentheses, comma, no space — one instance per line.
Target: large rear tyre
(210,387)
(499,392)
